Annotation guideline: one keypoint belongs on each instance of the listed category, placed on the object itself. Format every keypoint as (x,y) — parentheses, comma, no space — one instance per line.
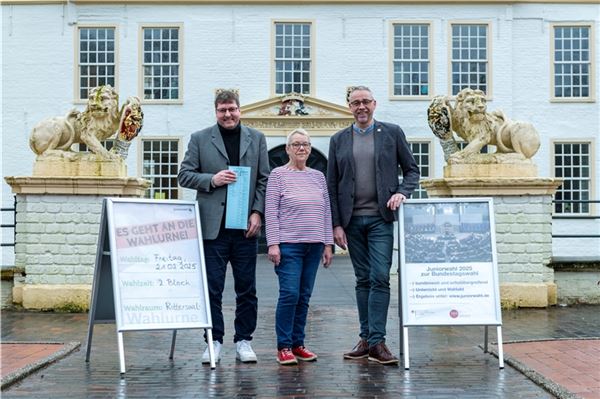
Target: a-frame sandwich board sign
(150,272)
(448,267)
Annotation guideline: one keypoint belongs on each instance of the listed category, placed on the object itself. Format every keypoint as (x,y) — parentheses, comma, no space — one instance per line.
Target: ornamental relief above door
(277,116)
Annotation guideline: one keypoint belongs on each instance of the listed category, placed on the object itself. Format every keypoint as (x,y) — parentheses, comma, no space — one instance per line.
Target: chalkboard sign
(150,272)
(159,281)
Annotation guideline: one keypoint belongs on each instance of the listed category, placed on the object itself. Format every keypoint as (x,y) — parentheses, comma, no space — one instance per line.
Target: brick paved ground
(16,356)
(20,359)
(573,364)
(446,362)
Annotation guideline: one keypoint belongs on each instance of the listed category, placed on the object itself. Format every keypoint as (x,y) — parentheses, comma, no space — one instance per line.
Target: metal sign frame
(106,298)
(442,283)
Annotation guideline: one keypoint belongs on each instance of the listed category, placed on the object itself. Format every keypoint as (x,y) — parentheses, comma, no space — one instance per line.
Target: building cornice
(291,2)
(19,2)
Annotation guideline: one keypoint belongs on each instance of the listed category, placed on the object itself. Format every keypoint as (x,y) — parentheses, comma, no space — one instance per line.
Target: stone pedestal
(90,167)
(492,170)
(523,215)
(56,234)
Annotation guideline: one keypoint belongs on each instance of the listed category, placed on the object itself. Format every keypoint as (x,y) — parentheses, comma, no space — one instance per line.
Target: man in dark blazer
(205,169)
(362,177)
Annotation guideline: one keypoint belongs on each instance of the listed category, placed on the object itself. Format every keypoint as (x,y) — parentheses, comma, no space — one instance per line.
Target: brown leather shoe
(360,351)
(381,354)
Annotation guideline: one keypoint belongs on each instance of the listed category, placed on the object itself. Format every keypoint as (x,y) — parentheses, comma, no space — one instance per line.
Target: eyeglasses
(297,146)
(357,103)
(231,110)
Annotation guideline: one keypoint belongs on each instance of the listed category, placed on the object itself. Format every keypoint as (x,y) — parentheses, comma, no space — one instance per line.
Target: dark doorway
(316,160)
(278,157)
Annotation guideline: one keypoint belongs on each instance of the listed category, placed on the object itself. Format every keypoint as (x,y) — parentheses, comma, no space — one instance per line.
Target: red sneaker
(285,356)
(304,354)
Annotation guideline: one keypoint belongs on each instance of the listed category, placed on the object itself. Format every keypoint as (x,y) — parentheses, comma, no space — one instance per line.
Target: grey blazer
(391,150)
(206,155)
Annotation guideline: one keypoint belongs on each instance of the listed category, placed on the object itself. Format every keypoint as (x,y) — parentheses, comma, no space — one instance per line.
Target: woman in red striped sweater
(299,236)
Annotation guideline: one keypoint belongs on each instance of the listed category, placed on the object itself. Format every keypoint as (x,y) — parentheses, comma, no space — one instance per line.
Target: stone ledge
(67,297)
(490,186)
(577,287)
(79,166)
(527,295)
(490,170)
(575,264)
(112,186)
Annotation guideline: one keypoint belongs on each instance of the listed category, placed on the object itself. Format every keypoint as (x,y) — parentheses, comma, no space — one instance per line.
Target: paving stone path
(446,362)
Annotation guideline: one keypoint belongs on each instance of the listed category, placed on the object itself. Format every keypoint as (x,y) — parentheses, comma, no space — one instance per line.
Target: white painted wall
(229,46)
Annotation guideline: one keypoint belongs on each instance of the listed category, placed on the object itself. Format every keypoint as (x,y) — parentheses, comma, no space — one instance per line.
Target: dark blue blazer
(391,150)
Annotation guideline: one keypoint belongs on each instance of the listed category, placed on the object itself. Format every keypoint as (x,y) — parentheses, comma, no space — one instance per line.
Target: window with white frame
(96,58)
(469,57)
(108,144)
(160,163)
(161,63)
(411,59)
(421,153)
(572,164)
(572,62)
(292,57)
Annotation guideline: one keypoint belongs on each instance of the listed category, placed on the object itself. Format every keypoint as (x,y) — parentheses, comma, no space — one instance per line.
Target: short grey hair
(352,89)
(299,131)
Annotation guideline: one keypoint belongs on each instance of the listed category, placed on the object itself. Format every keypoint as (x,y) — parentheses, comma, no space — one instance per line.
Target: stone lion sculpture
(515,141)
(99,121)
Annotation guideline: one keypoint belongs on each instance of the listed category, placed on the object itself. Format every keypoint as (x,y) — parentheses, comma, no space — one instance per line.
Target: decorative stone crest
(276,116)
(292,104)
(221,89)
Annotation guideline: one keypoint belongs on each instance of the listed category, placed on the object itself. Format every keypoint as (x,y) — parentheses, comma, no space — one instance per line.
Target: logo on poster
(454,313)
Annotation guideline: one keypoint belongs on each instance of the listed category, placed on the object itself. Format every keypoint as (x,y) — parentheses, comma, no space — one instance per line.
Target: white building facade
(537,61)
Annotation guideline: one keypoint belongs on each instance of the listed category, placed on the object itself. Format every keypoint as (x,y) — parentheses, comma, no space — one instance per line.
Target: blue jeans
(371,243)
(297,271)
(231,246)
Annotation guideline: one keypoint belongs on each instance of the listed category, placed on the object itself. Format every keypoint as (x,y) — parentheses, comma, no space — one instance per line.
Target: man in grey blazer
(205,169)
(362,177)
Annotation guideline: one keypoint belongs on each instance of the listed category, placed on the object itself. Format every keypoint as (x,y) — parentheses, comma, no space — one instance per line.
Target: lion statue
(99,121)
(515,141)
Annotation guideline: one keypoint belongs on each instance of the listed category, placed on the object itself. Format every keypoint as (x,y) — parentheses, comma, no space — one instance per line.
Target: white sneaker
(206,356)
(244,352)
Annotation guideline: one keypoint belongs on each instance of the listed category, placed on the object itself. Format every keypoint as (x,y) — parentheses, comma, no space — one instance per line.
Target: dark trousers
(231,246)
(371,243)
